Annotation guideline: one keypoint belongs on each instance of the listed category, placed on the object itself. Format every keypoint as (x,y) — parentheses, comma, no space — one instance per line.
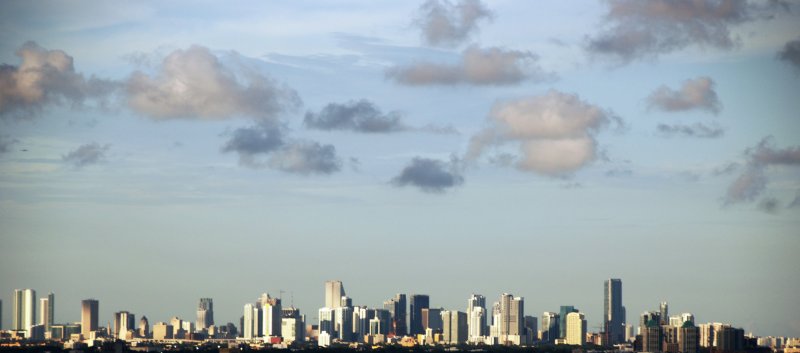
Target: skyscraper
(476,317)
(550,327)
(144,327)
(397,308)
(205,314)
(24,312)
(46,311)
(90,309)
(432,319)
(1,314)
(663,309)
(562,324)
(454,326)
(123,322)
(272,316)
(576,328)
(251,323)
(512,314)
(418,302)
(334,291)
(613,320)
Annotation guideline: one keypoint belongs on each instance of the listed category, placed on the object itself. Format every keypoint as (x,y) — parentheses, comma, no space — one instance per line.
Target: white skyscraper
(271,316)
(476,317)
(576,329)
(326,321)
(24,312)
(252,320)
(334,291)
(46,310)
(205,314)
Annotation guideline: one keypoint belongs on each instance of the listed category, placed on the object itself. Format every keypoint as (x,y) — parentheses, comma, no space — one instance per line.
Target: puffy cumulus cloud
(638,29)
(791,53)
(90,153)
(306,157)
(266,145)
(695,130)
(430,175)
(47,77)
(478,66)
(444,23)
(359,116)
(752,182)
(696,94)
(555,132)
(195,84)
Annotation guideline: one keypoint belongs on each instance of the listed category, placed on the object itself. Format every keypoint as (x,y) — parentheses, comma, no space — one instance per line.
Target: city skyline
(152,154)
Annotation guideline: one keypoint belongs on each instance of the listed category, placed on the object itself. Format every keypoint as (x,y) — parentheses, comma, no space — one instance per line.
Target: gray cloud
(555,132)
(769,205)
(47,77)
(795,202)
(726,169)
(430,175)
(478,66)
(694,130)
(446,24)
(6,142)
(696,94)
(360,116)
(195,84)
(265,145)
(638,29)
(791,53)
(619,172)
(90,153)
(753,181)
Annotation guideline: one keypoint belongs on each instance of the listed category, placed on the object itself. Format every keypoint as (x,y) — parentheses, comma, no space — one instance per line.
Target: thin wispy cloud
(478,66)
(85,155)
(47,77)
(697,130)
(555,132)
(430,175)
(753,180)
(636,29)
(694,94)
(447,24)
(194,84)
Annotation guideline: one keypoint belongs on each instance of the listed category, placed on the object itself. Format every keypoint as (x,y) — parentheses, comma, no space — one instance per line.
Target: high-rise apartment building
(476,317)
(455,328)
(688,338)
(334,291)
(361,321)
(292,325)
(417,303)
(162,331)
(663,310)
(613,312)
(397,308)
(651,337)
(432,319)
(512,313)
(326,321)
(343,323)
(24,310)
(90,309)
(272,316)
(46,311)
(251,322)
(576,328)
(562,324)
(123,321)
(205,314)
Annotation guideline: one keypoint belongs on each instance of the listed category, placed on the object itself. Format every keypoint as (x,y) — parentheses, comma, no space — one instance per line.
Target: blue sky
(448,148)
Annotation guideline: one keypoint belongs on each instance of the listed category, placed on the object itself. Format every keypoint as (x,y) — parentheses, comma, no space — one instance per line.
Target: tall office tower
(614,319)
(397,307)
(629,335)
(46,311)
(651,337)
(334,291)
(162,331)
(432,319)
(455,328)
(562,324)
(476,316)
(375,327)
(647,316)
(24,312)
(512,314)
(205,314)
(123,321)
(576,328)
(144,327)
(663,310)
(550,327)
(251,324)
(531,324)
(688,338)
(177,327)
(385,318)
(90,308)
(272,315)
(418,302)
(292,325)
(346,301)
(361,321)
(326,321)
(343,323)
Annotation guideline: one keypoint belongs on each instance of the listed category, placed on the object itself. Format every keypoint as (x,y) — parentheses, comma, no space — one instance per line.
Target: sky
(153,153)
